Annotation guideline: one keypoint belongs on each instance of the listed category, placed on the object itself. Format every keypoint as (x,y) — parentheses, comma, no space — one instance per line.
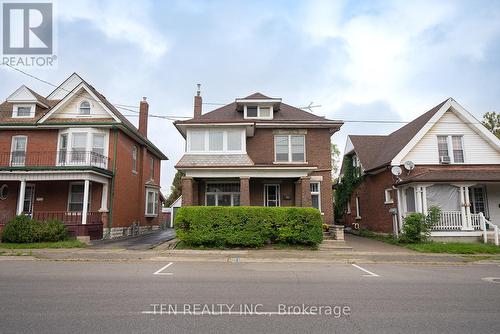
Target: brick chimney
(143,117)
(197,103)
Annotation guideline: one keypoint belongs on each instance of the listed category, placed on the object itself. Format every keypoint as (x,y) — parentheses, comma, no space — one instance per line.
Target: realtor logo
(27,28)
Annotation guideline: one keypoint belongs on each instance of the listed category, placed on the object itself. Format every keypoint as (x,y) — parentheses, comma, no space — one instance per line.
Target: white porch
(467,209)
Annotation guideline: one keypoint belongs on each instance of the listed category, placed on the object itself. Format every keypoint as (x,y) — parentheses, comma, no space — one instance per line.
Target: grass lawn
(454,248)
(57,244)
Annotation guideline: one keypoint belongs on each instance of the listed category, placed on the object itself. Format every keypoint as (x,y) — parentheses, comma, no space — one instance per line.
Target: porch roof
(483,174)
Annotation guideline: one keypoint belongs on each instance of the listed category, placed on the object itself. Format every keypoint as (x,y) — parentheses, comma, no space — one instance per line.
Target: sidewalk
(364,250)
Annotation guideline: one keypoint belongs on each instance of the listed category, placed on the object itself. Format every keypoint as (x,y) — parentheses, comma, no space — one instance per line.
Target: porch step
(334,245)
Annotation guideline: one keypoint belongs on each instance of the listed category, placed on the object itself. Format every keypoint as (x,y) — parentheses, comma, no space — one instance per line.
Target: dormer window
(258,112)
(84,108)
(23,111)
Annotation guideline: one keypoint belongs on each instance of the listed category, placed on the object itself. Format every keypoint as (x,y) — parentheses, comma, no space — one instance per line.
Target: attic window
(264,112)
(23,111)
(85,108)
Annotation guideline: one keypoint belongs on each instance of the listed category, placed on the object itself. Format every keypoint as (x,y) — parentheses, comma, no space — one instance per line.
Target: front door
(272,195)
(29,198)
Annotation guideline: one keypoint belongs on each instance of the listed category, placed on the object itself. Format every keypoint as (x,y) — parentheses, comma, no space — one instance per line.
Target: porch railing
(452,221)
(60,158)
(66,217)
(488,227)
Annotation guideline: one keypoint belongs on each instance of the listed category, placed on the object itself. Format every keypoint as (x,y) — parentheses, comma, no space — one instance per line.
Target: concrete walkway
(361,244)
(140,242)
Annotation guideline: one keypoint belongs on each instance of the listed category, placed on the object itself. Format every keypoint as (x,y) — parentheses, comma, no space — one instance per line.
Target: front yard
(36,245)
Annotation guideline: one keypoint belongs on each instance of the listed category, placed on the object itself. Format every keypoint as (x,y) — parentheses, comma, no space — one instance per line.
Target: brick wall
(375,214)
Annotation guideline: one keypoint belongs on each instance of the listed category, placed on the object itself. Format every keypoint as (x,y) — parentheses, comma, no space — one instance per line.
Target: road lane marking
(370,274)
(160,271)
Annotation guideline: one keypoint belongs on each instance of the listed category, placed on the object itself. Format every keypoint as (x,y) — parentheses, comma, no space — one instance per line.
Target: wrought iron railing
(54,158)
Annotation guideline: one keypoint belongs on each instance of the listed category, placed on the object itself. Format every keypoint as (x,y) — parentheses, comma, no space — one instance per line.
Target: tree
(175,189)
(491,120)
(335,159)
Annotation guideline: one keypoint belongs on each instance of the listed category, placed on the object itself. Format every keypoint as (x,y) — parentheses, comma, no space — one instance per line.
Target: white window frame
(69,195)
(278,193)
(358,216)
(78,110)
(290,150)
(388,199)
(317,193)
(12,150)
(154,213)
(258,112)
(232,193)
(449,144)
(134,159)
(206,134)
(16,107)
(88,148)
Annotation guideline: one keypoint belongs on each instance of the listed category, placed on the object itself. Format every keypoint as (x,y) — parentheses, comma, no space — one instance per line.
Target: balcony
(49,159)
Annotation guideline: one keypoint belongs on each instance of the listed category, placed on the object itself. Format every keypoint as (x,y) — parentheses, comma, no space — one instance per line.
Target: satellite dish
(409,165)
(396,170)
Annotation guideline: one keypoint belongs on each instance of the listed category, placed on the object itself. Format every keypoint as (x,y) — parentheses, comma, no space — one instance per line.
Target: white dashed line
(160,271)
(370,274)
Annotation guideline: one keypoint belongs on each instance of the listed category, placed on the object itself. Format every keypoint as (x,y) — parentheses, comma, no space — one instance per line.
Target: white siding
(71,108)
(476,149)
(493,193)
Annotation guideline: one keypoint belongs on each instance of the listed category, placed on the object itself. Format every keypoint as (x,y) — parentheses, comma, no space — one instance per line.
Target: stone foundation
(117,232)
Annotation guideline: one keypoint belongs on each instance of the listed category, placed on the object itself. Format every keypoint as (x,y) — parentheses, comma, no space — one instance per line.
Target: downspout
(112,190)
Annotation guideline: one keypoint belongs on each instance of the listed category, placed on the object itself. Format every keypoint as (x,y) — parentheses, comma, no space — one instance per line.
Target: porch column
(418,195)
(104,198)
(462,208)
(244,191)
(305,190)
(20,200)
(86,186)
(467,226)
(187,191)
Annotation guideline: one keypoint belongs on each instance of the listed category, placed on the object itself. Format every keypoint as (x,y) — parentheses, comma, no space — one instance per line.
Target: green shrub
(417,226)
(247,226)
(23,229)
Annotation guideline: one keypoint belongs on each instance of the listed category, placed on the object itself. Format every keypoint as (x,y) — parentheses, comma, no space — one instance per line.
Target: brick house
(257,151)
(443,158)
(73,156)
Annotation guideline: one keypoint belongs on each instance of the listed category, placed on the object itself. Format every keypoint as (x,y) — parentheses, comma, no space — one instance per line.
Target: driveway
(140,242)
(361,244)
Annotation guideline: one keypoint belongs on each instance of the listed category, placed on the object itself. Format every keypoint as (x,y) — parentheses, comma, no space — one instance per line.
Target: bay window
(289,148)
(80,146)
(203,141)
(151,202)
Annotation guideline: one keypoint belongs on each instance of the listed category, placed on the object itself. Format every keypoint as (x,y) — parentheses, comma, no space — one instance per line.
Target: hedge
(248,226)
(23,229)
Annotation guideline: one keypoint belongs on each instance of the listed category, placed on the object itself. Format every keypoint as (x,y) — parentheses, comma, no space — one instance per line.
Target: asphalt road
(89,297)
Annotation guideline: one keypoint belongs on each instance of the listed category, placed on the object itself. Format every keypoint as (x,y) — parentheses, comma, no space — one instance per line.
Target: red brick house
(444,158)
(257,151)
(73,156)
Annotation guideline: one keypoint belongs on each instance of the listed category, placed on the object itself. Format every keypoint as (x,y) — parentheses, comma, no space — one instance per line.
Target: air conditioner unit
(444,159)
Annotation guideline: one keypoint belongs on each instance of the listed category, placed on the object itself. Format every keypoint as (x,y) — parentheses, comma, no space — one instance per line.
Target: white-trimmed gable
(479,145)
(22,95)
(69,107)
(67,86)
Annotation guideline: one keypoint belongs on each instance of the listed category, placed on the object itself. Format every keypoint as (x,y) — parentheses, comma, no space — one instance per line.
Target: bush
(248,226)
(417,226)
(23,229)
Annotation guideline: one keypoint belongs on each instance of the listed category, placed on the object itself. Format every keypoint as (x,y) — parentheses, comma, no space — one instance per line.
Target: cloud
(118,20)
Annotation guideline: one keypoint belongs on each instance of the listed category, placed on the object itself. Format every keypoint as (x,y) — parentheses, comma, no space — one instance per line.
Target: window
(478,200)
(134,159)
(4,191)
(388,196)
(23,111)
(264,112)
(216,140)
(152,168)
(98,148)
(63,148)
(29,198)
(358,208)
(222,194)
(151,202)
(458,151)
(451,148)
(84,108)
(79,146)
(315,195)
(289,148)
(410,199)
(76,195)
(272,195)
(18,153)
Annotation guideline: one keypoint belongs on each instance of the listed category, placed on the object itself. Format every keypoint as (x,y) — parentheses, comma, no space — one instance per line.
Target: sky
(358,60)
